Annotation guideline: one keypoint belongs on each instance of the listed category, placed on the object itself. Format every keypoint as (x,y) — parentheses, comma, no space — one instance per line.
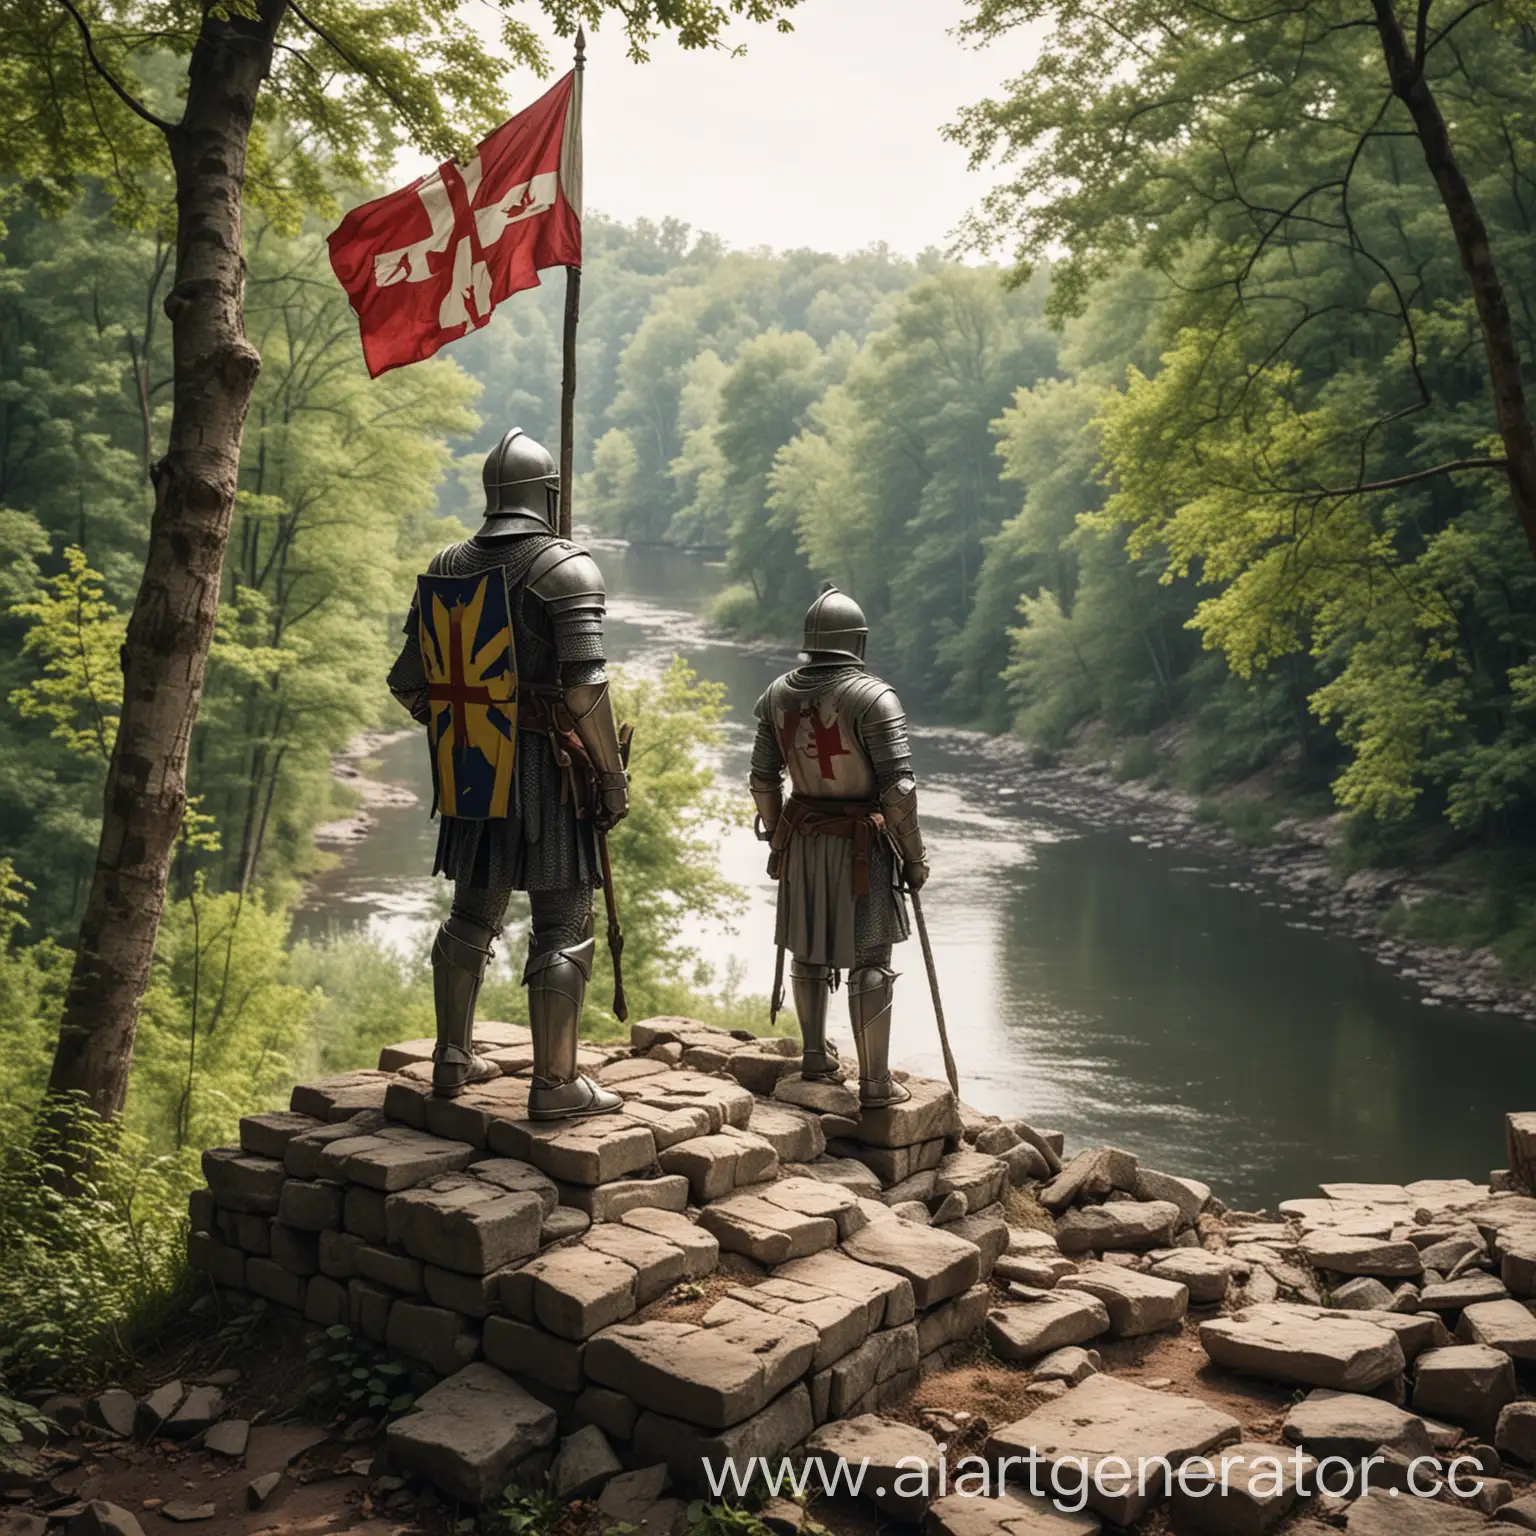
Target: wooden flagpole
(568,371)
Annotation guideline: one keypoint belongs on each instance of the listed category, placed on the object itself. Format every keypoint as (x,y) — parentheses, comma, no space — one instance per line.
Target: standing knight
(844,841)
(508,676)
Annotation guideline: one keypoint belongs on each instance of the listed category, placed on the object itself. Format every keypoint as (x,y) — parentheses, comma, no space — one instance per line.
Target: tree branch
(130,101)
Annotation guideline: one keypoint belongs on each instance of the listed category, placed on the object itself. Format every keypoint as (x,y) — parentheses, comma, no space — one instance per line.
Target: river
(1094,980)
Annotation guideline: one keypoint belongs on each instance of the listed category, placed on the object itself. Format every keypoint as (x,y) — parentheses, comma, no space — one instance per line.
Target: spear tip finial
(581,46)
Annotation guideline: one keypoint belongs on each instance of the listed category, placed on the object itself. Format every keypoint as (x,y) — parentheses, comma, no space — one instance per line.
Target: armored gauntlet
(591,711)
(898,804)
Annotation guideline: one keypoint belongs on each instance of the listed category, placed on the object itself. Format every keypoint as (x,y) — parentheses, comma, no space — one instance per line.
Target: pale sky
(825,137)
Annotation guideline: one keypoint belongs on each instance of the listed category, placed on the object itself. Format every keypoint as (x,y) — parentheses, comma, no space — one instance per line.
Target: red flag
(427,264)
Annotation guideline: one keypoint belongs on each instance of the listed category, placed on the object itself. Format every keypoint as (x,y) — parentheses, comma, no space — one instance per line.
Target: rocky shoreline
(1293,874)
(373,794)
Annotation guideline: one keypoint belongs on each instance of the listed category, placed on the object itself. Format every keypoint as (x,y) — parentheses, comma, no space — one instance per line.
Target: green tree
(78,102)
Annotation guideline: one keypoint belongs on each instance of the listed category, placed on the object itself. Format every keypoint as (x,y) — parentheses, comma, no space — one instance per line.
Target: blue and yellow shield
(471,665)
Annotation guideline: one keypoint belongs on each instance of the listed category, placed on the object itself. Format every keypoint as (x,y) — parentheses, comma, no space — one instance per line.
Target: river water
(1093,980)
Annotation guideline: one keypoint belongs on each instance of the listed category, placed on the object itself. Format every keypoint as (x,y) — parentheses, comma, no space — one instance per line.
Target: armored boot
(871,989)
(460,955)
(557,985)
(812,986)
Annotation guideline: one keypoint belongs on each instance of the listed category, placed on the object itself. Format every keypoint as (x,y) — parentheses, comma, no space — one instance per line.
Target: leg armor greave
(812,986)
(871,991)
(557,986)
(460,954)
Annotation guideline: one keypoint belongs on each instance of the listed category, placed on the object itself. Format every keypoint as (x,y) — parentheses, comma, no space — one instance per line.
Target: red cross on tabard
(827,744)
(456,691)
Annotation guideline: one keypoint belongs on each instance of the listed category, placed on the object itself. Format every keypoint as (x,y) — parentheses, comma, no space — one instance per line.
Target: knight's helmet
(522,488)
(835,627)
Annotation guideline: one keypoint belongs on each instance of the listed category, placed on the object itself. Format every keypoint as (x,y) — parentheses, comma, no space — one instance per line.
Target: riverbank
(1293,872)
(373,794)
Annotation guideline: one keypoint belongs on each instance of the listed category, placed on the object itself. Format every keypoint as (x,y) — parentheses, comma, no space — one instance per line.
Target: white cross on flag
(429,263)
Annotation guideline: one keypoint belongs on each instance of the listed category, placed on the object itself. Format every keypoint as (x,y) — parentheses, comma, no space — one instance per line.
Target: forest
(1194,455)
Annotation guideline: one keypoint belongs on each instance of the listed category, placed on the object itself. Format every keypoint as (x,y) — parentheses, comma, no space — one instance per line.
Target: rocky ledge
(742,1264)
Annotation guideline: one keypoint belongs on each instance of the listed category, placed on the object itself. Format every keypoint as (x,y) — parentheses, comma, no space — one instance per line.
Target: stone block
(433,1335)
(988,1229)
(241,1182)
(393,1159)
(471,1225)
(562,1223)
(325,1301)
(1206,1276)
(611,1411)
(1071,1365)
(1122,1226)
(1520,1139)
(313,1205)
(1136,1303)
(405,1053)
(1090,1175)
(526,1351)
(931,1114)
(271,1280)
(717,1164)
(847,1171)
(301,1156)
(396,1271)
(842,1323)
(470,1116)
(573,1292)
(1353,1426)
(609,1202)
(268,1135)
(658,1264)
(1190,1195)
(296,1250)
(820,1098)
(363,1214)
(1043,1323)
(954,1320)
(1102,1419)
(1013,1514)
(686,1449)
(472,1295)
(1502,1325)
(794,1134)
(589,1152)
(221,1262)
(723,1102)
(1349,1255)
(768,1234)
(937,1264)
(701,1252)
(368,1308)
(467,1433)
(1251,1489)
(1515,1434)
(885,1294)
(982,1179)
(900,1461)
(760,1071)
(1291,1344)
(339,1098)
(713,1377)
(1470,1384)
(583,1465)
(890,1164)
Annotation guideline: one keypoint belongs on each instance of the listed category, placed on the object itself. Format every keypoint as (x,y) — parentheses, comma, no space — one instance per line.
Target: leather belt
(859,820)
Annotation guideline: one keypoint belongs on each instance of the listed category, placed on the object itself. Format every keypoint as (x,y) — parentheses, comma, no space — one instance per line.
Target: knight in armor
(844,841)
(516,720)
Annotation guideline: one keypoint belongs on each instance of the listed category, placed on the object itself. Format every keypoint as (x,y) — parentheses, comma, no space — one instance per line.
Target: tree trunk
(172,622)
(1405,68)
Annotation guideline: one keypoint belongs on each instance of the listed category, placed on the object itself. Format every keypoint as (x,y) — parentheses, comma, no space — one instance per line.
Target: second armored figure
(845,840)
(503,663)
